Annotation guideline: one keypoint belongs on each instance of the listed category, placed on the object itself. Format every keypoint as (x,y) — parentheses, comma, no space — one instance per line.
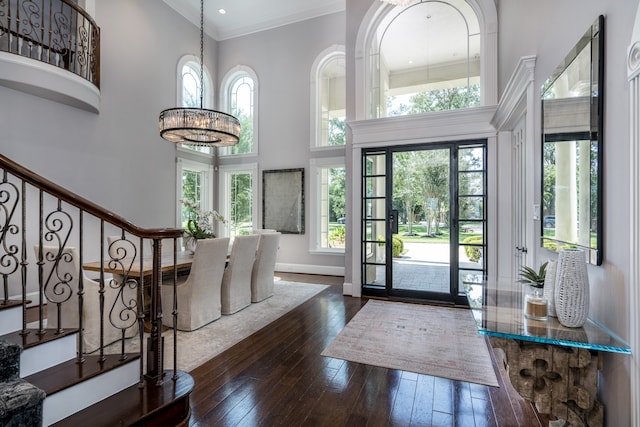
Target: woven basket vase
(572,288)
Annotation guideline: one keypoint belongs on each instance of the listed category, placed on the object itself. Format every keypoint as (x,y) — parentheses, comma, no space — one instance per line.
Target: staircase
(20,401)
(48,376)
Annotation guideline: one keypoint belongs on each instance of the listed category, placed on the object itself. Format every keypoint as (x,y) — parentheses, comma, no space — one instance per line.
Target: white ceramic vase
(572,288)
(550,287)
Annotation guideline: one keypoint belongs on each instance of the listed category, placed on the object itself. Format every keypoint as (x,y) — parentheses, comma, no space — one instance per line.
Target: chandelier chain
(201,51)
(199,126)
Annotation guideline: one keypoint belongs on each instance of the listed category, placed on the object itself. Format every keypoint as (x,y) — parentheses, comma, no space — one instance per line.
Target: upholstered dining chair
(198,295)
(61,277)
(236,282)
(264,266)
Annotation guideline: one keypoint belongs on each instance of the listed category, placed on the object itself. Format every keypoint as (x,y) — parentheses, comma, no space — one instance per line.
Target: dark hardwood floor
(277,377)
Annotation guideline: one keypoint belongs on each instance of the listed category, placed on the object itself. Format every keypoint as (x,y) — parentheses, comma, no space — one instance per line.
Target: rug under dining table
(197,347)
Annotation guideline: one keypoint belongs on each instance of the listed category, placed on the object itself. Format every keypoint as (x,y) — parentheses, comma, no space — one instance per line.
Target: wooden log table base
(561,381)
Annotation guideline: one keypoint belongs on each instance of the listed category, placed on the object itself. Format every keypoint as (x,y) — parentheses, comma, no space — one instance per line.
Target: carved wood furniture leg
(561,381)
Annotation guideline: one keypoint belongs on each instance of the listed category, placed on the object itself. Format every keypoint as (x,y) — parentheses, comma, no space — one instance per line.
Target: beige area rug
(197,347)
(424,339)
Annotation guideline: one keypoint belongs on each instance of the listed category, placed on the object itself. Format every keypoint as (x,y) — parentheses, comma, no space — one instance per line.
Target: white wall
(282,59)
(549,30)
(115,158)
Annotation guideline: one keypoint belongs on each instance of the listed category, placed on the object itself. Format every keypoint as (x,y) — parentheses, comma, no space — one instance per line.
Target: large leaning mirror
(572,117)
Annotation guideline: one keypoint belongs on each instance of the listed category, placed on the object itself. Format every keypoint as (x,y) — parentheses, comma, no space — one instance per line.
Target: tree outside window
(435,100)
(328,206)
(242,109)
(195,187)
(241,206)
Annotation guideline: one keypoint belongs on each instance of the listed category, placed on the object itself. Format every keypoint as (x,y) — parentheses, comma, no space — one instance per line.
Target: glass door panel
(374,214)
(421,193)
(472,218)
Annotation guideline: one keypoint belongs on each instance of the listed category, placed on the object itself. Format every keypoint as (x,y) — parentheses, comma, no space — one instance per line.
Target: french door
(424,220)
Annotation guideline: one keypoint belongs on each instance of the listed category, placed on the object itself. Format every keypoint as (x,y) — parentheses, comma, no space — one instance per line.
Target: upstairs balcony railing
(58,32)
(47,236)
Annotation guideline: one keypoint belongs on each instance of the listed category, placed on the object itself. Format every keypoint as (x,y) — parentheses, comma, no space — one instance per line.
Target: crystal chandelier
(199,126)
(397,2)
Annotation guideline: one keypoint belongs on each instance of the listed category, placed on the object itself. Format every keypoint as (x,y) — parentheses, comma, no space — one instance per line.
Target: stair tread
(11,303)
(152,405)
(69,373)
(33,338)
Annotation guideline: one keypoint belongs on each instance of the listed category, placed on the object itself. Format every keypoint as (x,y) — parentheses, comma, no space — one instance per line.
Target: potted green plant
(535,302)
(532,277)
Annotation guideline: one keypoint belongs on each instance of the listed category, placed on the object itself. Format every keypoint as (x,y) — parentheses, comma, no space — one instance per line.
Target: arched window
(189,83)
(240,98)
(430,55)
(328,98)
(188,90)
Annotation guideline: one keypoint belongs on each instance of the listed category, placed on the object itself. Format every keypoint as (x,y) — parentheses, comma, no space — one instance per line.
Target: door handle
(393,221)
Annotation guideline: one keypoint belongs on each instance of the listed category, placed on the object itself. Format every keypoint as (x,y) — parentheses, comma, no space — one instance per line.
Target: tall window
(328,205)
(426,57)
(189,90)
(240,92)
(194,164)
(238,193)
(328,94)
(196,185)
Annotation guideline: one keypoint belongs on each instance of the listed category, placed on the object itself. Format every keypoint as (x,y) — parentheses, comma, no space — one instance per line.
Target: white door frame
(633,68)
(518,103)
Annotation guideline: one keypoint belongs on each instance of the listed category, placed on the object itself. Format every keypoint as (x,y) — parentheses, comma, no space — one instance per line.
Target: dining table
(134,269)
(184,259)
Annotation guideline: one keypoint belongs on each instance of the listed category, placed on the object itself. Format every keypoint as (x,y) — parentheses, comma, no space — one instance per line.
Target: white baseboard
(310,269)
(349,289)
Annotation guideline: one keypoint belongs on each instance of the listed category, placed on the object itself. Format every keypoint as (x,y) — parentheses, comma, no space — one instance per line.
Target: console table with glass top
(553,366)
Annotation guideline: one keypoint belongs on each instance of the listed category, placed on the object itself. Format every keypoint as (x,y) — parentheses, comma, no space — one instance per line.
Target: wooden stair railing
(37,212)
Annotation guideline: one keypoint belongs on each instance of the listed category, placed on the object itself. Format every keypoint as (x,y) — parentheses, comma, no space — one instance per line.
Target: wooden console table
(553,366)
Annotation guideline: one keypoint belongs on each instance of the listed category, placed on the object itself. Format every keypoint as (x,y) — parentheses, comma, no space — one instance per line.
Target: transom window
(329,98)
(240,97)
(426,57)
(190,85)
(189,91)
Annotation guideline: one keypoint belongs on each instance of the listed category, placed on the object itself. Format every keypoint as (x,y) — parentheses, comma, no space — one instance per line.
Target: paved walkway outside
(423,266)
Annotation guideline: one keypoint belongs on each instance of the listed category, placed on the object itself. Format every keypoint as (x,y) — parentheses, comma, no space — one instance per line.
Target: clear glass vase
(190,243)
(535,304)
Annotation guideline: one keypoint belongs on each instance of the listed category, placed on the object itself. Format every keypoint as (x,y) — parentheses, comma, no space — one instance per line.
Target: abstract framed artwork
(283,200)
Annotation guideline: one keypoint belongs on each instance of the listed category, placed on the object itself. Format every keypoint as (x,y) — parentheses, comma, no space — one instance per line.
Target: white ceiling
(250,16)
(428,21)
